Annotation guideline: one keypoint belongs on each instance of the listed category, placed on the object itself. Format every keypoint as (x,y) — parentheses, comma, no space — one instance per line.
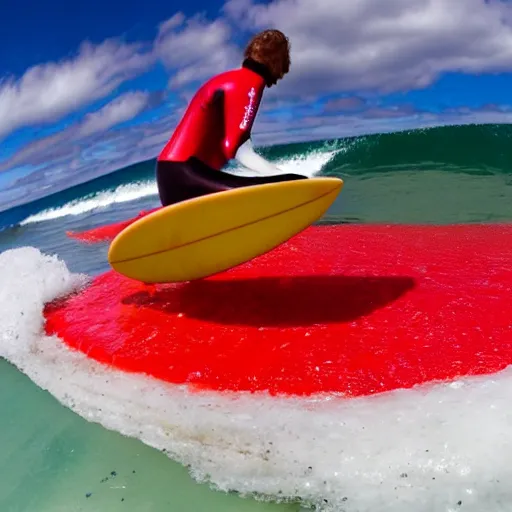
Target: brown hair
(272,49)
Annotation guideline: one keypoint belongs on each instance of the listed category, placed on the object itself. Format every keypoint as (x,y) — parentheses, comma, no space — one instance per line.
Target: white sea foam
(308,164)
(121,194)
(438,448)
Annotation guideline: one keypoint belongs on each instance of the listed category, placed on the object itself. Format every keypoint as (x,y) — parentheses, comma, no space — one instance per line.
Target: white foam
(121,194)
(308,164)
(424,450)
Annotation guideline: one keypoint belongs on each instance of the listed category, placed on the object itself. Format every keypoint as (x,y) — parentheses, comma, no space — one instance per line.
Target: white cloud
(318,127)
(47,92)
(66,143)
(337,46)
(122,109)
(386,46)
(195,48)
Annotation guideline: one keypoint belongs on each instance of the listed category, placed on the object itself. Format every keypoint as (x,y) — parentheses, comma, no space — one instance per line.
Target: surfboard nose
(327,185)
(295,194)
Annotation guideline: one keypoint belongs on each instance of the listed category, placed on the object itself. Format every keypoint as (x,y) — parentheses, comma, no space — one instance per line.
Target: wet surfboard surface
(349,310)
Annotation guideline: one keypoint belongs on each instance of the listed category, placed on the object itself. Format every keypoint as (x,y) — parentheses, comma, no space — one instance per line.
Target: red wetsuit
(218,119)
(216,123)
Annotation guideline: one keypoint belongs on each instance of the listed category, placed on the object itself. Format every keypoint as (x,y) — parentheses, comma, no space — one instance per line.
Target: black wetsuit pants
(179,181)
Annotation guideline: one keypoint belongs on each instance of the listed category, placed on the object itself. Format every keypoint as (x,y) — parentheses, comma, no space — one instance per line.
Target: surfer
(216,127)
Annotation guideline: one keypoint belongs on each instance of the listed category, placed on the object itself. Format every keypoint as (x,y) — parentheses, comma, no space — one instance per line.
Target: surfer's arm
(240,108)
(247,157)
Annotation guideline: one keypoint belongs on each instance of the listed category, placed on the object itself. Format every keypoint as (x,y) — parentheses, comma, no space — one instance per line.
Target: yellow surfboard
(209,234)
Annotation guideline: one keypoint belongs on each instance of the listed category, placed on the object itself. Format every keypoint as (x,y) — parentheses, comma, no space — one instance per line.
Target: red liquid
(344,309)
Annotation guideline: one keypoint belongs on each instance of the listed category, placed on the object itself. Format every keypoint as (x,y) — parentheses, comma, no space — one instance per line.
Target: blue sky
(88,87)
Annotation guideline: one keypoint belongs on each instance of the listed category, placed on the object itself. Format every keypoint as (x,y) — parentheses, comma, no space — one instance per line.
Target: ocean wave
(472,149)
(476,150)
(306,164)
(122,194)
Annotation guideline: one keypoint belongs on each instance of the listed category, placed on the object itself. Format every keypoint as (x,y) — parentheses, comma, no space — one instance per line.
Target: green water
(54,461)
(423,197)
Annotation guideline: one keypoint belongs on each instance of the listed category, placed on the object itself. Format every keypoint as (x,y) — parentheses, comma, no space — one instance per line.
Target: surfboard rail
(210,234)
